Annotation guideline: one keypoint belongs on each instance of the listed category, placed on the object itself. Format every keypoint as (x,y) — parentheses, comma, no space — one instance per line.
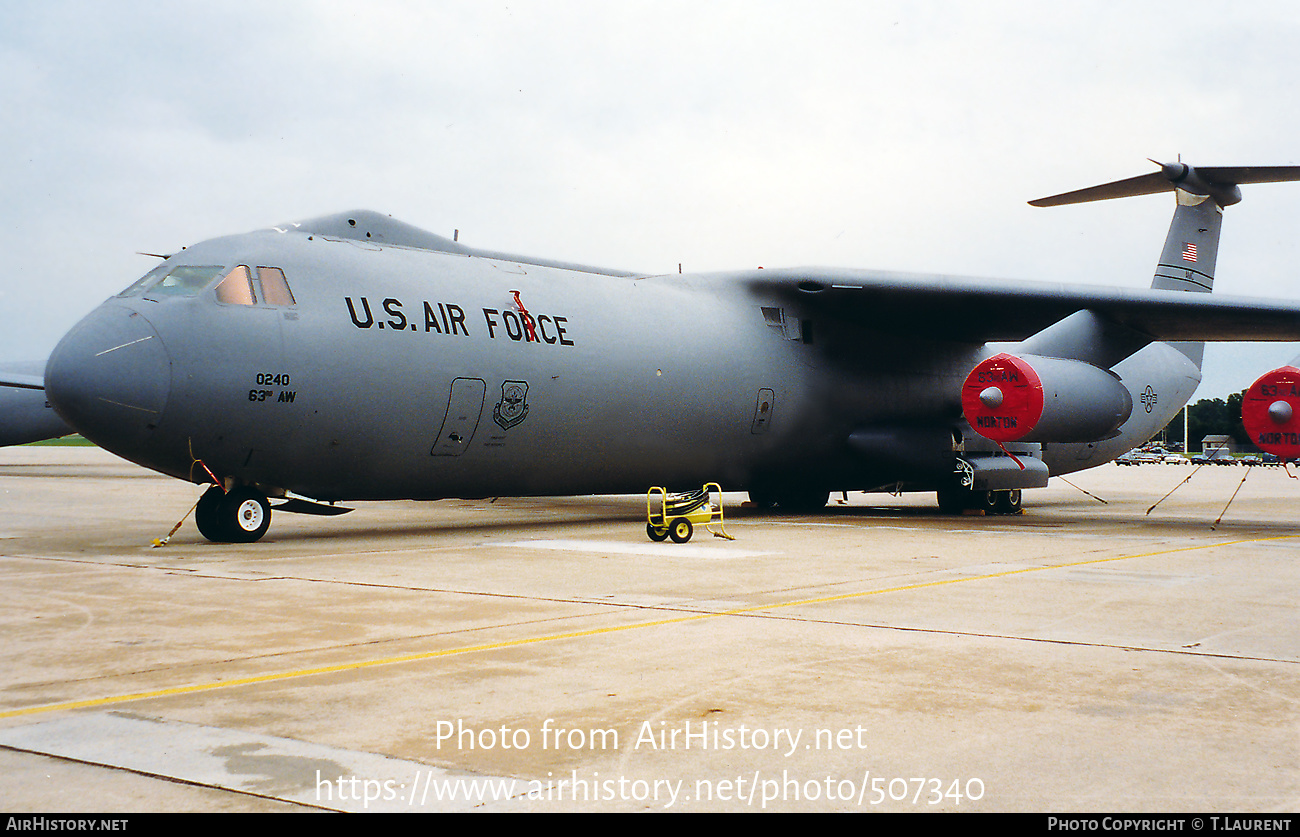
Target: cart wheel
(656,534)
(681,530)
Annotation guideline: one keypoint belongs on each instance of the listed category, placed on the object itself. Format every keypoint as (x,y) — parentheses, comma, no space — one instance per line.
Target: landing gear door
(463,411)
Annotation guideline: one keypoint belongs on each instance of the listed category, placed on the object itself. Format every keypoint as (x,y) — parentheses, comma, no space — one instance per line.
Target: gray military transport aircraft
(354,357)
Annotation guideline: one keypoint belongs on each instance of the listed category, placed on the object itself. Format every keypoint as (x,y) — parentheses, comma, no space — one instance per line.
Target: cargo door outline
(464,408)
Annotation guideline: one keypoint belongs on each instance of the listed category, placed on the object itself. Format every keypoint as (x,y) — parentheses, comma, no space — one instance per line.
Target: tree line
(1210,417)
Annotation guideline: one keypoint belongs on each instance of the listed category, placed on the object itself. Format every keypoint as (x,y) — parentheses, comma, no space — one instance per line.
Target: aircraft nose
(109,378)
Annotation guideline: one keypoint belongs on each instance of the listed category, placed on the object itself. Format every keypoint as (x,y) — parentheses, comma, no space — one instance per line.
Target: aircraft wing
(976,310)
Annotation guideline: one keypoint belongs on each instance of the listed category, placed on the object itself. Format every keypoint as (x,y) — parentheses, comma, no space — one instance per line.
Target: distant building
(1218,446)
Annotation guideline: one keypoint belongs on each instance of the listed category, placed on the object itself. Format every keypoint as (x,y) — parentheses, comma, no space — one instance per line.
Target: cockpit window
(244,287)
(145,281)
(186,280)
(166,280)
(241,285)
(275,288)
(237,287)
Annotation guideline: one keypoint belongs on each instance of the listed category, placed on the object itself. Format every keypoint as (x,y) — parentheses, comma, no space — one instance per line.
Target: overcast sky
(720,135)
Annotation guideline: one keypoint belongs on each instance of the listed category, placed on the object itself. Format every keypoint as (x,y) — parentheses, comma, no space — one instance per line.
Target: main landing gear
(241,515)
(958,500)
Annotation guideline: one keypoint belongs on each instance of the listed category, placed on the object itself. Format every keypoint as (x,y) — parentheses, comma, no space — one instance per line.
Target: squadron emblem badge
(513,406)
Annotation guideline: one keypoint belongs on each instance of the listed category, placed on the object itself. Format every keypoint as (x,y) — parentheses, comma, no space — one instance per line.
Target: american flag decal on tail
(1189,252)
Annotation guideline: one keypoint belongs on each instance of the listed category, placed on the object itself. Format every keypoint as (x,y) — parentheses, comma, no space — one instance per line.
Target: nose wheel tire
(248,515)
(241,516)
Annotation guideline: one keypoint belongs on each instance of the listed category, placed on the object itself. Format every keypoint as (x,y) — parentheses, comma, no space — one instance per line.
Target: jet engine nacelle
(1043,399)
(1270,412)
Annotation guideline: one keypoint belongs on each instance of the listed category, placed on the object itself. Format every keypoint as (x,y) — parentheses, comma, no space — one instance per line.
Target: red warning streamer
(528,318)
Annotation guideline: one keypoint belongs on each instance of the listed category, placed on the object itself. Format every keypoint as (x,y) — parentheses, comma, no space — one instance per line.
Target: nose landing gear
(241,515)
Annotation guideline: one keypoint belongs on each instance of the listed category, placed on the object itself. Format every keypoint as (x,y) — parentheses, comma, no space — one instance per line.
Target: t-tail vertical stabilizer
(1192,245)
(1161,377)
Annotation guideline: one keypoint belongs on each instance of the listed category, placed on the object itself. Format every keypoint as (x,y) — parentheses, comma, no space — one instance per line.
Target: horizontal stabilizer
(1219,182)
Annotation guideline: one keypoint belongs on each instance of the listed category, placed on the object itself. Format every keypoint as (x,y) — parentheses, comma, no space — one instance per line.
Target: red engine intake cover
(1270,412)
(1002,398)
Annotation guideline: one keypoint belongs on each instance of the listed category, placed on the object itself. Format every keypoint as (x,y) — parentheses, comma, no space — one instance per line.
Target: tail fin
(1190,253)
(1192,245)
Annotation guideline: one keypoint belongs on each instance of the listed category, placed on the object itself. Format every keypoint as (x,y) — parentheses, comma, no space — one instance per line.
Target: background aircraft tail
(25,415)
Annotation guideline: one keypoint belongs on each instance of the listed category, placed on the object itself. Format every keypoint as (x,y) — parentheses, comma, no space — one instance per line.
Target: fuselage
(338,367)
(399,372)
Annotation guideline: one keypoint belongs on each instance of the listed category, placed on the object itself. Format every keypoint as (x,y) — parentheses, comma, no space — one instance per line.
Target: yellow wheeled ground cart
(676,515)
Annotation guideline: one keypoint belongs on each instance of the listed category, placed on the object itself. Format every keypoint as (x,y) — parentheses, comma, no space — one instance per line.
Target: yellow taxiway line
(514,643)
